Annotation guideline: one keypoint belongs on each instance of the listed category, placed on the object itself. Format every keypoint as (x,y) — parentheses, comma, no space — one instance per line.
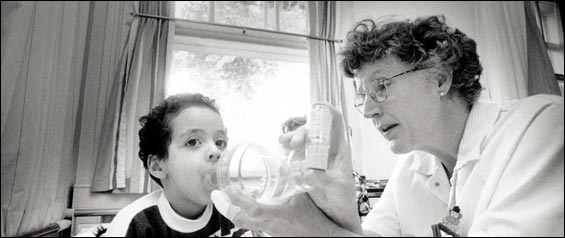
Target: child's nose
(215,154)
(214,157)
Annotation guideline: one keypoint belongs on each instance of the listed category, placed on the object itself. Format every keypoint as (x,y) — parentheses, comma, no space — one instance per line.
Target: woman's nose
(372,109)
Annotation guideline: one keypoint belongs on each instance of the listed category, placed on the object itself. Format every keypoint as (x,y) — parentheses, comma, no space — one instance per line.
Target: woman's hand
(298,216)
(327,210)
(334,189)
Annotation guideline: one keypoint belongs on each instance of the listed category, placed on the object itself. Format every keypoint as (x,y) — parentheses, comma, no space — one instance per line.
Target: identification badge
(449,224)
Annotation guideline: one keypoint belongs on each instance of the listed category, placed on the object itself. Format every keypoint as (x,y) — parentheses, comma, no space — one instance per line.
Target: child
(180,142)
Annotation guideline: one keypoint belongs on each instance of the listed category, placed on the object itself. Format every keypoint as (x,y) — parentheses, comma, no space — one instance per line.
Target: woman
(470,167)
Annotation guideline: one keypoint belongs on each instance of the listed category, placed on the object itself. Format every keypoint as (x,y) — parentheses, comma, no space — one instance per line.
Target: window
(552,30)
(258,79)
(285,16)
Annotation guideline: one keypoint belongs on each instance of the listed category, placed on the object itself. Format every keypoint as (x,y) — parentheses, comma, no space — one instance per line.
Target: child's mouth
(212,179)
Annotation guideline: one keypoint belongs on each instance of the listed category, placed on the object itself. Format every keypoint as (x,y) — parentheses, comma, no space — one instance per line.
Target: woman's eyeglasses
(377,90)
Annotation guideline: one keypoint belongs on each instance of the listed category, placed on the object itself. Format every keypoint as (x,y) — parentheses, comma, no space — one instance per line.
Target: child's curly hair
(155,133)
(423,42)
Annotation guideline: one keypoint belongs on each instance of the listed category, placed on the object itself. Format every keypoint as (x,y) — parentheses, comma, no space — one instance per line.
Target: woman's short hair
(155,132)
(424,42)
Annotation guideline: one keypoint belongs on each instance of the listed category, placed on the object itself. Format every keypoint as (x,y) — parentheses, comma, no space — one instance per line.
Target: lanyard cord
(452,193)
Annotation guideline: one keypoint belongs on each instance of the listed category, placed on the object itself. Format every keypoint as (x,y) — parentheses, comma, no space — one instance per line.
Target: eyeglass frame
(373,95)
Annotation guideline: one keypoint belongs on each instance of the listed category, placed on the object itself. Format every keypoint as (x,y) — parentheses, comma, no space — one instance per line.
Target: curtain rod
(244,29)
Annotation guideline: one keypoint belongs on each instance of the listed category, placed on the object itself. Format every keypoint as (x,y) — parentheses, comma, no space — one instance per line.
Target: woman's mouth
(386,128)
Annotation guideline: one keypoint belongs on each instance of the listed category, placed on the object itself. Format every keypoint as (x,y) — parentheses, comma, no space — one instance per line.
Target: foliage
(237,73)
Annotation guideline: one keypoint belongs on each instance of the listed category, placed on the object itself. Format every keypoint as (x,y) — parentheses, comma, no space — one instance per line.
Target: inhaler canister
(318,143)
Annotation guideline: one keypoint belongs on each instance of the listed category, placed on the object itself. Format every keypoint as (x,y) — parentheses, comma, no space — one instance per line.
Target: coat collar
(481,119)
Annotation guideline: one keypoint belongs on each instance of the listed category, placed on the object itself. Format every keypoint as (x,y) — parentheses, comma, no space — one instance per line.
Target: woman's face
(410,116)
(197,140)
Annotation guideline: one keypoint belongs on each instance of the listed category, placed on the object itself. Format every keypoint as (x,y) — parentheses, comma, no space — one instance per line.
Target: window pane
(255,96)
(553,36)
(240,13)
(193,10)
(271,16)
(293,16)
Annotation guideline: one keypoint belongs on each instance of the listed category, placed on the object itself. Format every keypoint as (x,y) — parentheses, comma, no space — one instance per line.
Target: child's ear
(157,167)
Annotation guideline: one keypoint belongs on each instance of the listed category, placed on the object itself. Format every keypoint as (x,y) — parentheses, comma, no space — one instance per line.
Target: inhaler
(270,175)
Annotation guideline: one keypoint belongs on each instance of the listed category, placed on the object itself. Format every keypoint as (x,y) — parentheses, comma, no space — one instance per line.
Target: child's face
(197,140)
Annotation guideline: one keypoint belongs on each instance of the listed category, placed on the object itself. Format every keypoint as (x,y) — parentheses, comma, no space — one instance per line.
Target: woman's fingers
(243,220)
(299,138)
(293,139)
(316,178)
(245,212)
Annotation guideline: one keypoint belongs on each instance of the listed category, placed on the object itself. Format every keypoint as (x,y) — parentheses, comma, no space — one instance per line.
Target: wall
(372,155)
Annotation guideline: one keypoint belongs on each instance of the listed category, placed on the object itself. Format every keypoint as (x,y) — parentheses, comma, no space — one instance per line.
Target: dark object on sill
(100,231)
(49,229)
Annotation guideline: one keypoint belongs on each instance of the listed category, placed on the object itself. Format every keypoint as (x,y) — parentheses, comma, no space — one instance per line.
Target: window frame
(249,35)
(277,7)
(241,49)
(551,46)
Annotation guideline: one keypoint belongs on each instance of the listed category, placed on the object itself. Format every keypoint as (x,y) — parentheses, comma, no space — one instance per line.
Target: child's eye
(221,143)
(193,142)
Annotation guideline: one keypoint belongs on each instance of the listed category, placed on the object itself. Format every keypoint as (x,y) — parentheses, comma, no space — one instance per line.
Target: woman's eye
(193,142)
(221,143)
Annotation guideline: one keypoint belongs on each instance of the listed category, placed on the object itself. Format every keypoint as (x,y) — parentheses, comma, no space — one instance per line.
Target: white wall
(371,152)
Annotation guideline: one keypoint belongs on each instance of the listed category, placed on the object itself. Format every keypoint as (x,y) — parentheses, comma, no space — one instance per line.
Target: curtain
(541,76)
(109,27)
(326,84)
(513,52)
(502,45)
(137,88)
(42,59)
